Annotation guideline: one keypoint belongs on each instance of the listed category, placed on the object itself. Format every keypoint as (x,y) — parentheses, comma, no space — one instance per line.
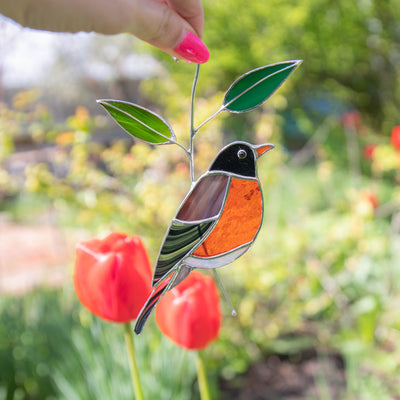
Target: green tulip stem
(202,377)
(132,362)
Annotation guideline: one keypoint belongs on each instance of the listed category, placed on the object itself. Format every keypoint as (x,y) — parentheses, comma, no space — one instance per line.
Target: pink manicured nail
(192,49)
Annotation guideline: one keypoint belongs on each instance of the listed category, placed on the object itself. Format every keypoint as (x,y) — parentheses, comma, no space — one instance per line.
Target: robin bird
(216,223)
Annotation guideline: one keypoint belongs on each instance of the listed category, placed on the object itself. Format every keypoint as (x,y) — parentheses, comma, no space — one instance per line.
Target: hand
(174,26)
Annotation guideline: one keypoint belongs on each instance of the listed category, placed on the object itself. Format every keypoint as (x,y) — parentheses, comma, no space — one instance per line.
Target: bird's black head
(238,158)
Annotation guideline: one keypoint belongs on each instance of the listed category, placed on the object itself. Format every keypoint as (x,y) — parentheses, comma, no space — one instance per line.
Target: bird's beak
(263,148)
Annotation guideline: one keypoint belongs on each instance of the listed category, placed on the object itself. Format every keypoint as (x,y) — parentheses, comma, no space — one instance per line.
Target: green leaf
(139,122)
(257,85)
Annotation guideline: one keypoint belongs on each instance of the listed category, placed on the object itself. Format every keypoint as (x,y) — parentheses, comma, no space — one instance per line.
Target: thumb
(158,24)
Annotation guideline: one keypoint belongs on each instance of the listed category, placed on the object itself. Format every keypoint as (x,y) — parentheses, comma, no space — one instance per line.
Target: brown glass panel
(206,200)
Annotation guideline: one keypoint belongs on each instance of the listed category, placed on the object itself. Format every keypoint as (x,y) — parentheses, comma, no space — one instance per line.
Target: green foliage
(350,52)
(50,348)
(256,86)
(139,122)
(28,332)
(80,181)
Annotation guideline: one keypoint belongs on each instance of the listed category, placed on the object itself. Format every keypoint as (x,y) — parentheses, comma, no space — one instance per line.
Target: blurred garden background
(318,295)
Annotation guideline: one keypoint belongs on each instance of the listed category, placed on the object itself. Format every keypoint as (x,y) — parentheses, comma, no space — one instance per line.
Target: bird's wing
(181,239)
(194,221)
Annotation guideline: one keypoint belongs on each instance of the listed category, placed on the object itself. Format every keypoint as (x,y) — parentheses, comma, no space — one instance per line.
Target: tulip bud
(368,151)
(351,119)
(395,137)
(372,199)
(112,277)
(189,314)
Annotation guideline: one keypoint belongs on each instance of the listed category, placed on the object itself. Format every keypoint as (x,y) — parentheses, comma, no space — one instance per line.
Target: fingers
(192,11)
(174,26)
(160,24)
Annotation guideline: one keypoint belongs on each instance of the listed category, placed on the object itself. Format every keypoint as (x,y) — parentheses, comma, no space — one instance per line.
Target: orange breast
(239,222)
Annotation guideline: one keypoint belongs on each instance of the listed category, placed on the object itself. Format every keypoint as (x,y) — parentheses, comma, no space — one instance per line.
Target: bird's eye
(242,154)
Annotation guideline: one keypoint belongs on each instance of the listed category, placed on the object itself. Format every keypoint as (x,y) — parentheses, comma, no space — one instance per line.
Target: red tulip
(351,119)
(395,137)
(189,314)
(112,277)
(372,199)
(368,151)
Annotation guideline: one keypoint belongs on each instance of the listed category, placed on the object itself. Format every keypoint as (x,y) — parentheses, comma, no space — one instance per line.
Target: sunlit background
(318,295)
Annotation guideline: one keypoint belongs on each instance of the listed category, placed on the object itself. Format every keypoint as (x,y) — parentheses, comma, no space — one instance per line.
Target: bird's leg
(233,311)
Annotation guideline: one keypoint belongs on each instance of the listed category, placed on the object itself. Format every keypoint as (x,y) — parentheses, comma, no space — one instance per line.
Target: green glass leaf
(257,85)
(139,122)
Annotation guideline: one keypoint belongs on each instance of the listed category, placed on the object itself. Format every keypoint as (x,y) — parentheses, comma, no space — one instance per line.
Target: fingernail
(192,49)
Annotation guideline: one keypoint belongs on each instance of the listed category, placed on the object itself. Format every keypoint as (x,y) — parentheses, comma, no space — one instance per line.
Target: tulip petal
(189,314)
(112,276)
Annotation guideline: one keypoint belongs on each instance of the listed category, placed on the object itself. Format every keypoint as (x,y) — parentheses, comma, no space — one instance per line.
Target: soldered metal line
(233,311)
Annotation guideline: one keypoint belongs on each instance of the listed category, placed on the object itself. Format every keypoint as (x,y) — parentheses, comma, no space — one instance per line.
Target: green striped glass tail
(181,239)
(151,302)
(168,283)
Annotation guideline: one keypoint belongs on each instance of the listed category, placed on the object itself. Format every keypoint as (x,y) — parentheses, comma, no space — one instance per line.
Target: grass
(51,348)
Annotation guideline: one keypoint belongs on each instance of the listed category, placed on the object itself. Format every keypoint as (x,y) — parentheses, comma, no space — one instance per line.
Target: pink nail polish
(192,49)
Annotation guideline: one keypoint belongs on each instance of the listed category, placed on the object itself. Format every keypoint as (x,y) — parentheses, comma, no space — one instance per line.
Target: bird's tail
(163,286)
